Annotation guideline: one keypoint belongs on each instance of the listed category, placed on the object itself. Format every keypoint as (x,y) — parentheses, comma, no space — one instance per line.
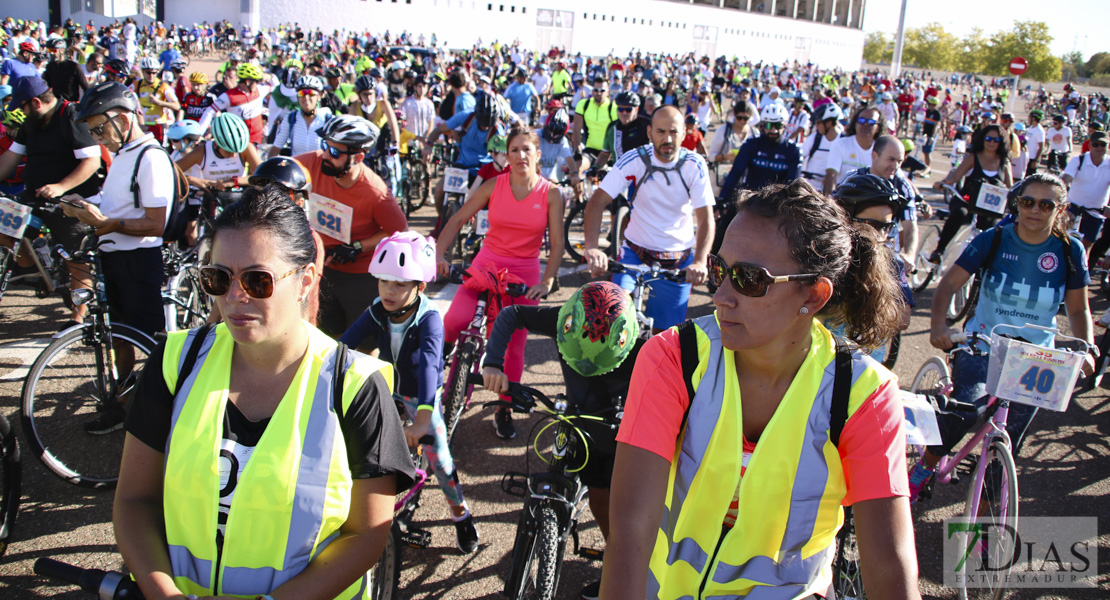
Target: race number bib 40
(330,218)
(992,198)
(455,180)
(1034,375)
(13,218)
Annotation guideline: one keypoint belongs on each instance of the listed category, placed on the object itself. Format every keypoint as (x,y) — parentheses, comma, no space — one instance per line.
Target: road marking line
(26,351)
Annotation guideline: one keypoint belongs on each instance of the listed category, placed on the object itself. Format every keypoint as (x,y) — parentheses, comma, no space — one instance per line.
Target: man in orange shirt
(353,210)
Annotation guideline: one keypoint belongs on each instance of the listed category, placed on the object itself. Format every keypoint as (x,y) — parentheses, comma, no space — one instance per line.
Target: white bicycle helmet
(351,131)
(405,256)
(310,82)
(149,64)
(773,113)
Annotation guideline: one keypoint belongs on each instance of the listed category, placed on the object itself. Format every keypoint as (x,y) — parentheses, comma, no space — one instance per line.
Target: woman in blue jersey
(1035,267)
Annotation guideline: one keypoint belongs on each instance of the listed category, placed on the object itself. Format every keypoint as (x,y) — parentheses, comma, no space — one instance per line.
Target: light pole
(896,61)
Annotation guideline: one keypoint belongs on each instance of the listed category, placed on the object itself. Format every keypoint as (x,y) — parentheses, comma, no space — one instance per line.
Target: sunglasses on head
(1028,202)
(257,283)
(306,93)
(748,279)
(863,121)
(992,138)
(880,226)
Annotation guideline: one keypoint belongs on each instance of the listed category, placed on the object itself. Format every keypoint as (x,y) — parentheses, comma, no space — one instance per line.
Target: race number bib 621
(330,218)
(13,218)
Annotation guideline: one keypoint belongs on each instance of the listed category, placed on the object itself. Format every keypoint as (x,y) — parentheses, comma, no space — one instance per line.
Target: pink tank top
(516,227)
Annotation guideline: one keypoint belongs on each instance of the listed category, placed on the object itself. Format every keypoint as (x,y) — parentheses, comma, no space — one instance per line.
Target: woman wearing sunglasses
(1028,276)
(987,161)
(726,471)
(248,474)
(853,150)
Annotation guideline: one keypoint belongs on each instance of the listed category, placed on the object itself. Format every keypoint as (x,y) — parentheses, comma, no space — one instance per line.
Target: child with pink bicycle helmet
(407,331)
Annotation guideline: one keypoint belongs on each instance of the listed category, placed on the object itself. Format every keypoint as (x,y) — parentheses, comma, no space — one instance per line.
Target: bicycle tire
(11,479)
(620,223)
(61,393)
(385,575)
(549,554)
(450,249)
(1102,362)
(458,391)
(521,557)
(419,189)
(198,304)
(931,377)
(1001,506)
(925,271)
(847,576)
(574,233)
(963,302)
(893,346)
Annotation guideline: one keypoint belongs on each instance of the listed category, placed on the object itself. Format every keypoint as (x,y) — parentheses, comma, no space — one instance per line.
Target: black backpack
(176,211)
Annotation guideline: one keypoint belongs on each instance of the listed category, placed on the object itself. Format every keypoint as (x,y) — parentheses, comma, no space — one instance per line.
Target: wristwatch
(357,245)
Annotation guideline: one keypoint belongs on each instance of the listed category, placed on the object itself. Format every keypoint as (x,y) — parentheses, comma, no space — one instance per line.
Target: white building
(827,32)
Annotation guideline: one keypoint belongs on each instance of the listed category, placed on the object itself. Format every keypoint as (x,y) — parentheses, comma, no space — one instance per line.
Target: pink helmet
(405,256)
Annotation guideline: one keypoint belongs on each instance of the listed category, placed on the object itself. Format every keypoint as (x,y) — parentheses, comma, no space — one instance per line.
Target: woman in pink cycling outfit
(522,206)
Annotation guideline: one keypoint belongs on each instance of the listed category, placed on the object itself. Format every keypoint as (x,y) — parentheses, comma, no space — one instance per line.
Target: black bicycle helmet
(375,72)
(487,111)
(363,83)
(627,98)
(283,171)
(292,74)
(864,191)
(333,72)
(556,127)
(103,97)
(117,67)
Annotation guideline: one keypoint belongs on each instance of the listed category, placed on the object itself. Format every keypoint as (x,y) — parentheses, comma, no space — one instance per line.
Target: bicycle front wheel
(548,555)
(73,383)
(847,577)
(574,232)
(458,391)
(990,557)
(11,477)
(963,301)
(924,271)
(931,377)
(385,575)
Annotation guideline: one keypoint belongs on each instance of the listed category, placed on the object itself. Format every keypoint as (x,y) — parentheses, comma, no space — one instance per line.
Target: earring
(804,310)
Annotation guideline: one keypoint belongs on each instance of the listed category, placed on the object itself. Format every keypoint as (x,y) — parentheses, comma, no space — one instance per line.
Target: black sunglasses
(774,126)
(748,279)
(992,138)
(626,109)
(332,150)
(257,283)
(881,226)
(1098,144)
(1028,202)
(863,121)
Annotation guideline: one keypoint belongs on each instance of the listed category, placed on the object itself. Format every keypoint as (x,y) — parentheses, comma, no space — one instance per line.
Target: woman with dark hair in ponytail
(1034,268)
(745,431)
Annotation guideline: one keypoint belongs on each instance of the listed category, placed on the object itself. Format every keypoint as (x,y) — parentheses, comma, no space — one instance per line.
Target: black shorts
(598,471)
(133,281)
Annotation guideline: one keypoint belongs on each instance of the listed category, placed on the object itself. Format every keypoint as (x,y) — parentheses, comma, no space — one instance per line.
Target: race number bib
(992,198)
(455,180)
(13,218)
(330,218)
(482,222)
(920,422)
(1037,376)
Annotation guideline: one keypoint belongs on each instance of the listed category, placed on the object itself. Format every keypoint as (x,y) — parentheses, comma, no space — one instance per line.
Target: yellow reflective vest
(292,496)
(790,494)
(596,118)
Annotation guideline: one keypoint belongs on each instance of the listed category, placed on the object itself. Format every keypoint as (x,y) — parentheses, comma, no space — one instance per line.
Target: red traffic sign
(1018,65)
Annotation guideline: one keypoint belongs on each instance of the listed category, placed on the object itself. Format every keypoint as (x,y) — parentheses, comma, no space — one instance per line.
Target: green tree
(930,47)
(971,56)
(877,48)
(1030,40)
(1098,63)
(1075,61)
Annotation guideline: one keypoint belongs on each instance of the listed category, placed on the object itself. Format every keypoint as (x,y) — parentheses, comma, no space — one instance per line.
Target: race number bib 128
(330,218)
(992,198)
(455,180)
(13,218)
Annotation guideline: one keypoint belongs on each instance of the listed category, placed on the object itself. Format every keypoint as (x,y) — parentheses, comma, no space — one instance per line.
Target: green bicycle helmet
(1037,114)
(498,143)
(230,133)
(907,143)
(249,71)
(597,328)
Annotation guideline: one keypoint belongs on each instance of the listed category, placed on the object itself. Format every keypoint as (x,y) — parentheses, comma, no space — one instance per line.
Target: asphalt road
(1063,471)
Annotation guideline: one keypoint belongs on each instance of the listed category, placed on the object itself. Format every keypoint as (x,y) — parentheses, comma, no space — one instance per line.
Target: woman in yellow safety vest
(747,430)
(256,464)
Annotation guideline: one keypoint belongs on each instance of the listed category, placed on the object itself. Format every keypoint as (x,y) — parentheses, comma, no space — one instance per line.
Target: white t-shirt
(1058,140)
(846,155)
(1034,137)
(418,114)
(814,162)
(796,122)
(662,213)
(156,189)
(541,81)
(1090,186)
(301,136)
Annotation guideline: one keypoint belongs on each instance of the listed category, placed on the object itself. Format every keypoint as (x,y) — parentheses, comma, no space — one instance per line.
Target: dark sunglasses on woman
(748,279)
(257,283)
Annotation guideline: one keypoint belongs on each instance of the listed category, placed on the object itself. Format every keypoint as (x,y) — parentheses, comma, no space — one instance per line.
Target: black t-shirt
(447,105)
(932,117)
(66,79)
(50,151)
(371,428)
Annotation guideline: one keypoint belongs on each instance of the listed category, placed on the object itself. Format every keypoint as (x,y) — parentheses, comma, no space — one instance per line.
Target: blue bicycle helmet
(183,129)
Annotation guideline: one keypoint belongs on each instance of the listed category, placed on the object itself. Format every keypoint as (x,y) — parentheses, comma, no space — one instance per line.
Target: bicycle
(184,302)
(1017,372)
(467,357)
(554,499)
(574,231)
(11,478)
(53,276)
(84,371)
(644,275)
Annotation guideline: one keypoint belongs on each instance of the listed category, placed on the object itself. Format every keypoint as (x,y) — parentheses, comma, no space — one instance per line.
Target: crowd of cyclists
(322,133)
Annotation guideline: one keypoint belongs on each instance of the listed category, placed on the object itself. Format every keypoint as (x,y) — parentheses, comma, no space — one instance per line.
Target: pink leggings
(462,307)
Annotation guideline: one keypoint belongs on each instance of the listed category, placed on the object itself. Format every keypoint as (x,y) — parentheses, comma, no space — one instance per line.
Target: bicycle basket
(1030,374)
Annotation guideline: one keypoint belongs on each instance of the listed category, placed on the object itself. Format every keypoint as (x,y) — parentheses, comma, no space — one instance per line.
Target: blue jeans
(439,455)
(666,301)
(969,378)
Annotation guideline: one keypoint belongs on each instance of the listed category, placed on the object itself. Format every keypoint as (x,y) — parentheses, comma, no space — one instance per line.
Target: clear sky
(1066,19)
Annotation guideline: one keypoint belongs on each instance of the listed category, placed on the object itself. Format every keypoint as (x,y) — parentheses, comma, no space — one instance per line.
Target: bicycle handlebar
(954,191)
(458,275)
(108,585)
(675,275)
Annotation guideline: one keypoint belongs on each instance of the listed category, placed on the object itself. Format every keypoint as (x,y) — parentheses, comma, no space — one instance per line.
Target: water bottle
(43,251)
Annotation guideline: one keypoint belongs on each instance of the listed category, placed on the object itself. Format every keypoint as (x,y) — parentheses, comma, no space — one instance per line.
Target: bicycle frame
(476,332)
(993,429)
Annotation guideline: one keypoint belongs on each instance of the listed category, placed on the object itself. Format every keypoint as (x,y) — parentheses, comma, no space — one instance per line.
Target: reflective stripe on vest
(782,543)
(294,493)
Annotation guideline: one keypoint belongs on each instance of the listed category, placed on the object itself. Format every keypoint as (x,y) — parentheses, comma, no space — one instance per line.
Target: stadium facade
(827,32)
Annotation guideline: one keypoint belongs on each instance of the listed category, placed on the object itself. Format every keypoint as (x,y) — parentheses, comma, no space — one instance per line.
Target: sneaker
(920,477)
(106,422)
(503,423)
(935,257)
(466,534)
(592,591)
